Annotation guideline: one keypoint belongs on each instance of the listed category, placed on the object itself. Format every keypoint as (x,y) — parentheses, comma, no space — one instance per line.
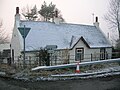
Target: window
(102,53)
(79,54)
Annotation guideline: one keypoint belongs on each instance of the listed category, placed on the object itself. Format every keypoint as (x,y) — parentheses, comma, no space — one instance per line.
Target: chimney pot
(17,10)
(96,19)
(96,22)
(56,13)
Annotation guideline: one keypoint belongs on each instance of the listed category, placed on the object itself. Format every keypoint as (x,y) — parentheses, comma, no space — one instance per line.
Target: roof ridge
(33,21)
(60,23)
(78,24)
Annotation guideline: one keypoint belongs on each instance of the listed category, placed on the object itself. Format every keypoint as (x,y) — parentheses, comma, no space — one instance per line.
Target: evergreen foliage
(47,11)
(43,56)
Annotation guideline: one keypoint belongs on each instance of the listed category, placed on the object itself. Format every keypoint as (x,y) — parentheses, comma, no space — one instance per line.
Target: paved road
(109,83)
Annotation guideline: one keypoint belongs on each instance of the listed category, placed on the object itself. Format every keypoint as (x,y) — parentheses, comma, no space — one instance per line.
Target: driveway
(106,83)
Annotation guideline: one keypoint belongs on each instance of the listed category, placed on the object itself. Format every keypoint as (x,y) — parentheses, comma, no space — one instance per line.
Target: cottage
(68,42)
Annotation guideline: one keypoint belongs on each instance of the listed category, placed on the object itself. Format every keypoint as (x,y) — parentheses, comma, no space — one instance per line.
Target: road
(108,83)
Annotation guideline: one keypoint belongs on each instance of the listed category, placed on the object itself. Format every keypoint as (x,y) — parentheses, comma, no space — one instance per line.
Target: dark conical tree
(47,11)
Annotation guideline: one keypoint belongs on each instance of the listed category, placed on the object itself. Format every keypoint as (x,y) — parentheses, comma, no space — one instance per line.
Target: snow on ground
(95,74)
(104,68)
(78,76)
(74,64)
(110,71)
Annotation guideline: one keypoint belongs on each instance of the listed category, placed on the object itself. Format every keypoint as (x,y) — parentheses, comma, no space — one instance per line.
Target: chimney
(17,10)
(96,19)
(56,18)
(96,22)
(17,17)
(56,13)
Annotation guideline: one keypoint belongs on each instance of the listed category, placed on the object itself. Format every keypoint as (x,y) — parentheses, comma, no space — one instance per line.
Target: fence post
(30,61)
(55,60)
(68,59)
(91,56)
(51,63)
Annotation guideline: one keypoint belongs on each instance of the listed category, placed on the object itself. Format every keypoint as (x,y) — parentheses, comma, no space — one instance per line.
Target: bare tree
(113,15)
(3,36)
(29,12)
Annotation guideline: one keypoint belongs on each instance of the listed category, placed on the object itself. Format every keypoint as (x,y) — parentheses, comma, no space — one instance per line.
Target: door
(79,54)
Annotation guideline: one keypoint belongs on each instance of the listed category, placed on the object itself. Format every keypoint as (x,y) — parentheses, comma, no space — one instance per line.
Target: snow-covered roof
(63,35)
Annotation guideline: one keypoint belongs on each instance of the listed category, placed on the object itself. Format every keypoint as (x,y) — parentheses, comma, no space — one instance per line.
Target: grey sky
(74,11)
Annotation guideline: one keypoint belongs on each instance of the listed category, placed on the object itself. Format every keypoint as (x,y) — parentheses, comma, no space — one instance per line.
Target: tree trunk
(119,35)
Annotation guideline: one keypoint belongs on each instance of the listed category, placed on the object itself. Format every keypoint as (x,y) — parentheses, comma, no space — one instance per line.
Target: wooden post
(91,56)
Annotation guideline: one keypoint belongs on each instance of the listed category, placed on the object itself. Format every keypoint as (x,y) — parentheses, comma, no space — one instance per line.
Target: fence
(32,61)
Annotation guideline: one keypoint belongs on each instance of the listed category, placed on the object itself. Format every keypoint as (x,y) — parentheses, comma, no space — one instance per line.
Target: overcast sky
(74,11)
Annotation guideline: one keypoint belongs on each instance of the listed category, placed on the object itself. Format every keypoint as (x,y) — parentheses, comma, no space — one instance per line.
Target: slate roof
(63,35)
